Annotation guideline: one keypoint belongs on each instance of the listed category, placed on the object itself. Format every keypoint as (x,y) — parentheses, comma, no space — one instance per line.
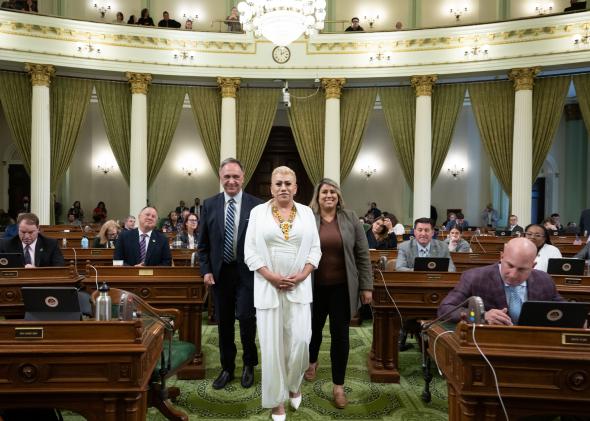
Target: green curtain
(164,107)
(256,109)
(114,99)
(582,85)
(69,102)
(447,101)
(399,109)
(206,106)
(493,107)
(307,118)
(16,99)
(548,100)
(355,106)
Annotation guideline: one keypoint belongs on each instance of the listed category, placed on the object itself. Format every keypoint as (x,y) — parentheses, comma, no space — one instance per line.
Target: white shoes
(296,401)
(278,417)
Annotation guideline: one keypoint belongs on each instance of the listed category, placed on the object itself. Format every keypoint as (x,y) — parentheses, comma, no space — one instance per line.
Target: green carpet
(367,401)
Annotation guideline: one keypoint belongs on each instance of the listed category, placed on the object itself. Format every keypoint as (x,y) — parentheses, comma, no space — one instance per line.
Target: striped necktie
(515,304)
(228,238)
(142,248)
(27,256)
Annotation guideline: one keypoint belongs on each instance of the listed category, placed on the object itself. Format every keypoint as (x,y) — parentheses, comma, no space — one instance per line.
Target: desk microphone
(475,312)
(75,260)
(382,263)
(475,237)
(95,276)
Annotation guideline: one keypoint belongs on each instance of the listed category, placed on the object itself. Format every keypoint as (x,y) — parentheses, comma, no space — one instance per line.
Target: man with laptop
(31,248)
(422,246)
(504,286)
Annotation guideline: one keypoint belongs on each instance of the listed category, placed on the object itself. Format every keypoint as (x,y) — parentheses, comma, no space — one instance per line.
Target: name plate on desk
(573,281)
(575,339)
(146,272)
(9,274)
(95,252)
(28,333)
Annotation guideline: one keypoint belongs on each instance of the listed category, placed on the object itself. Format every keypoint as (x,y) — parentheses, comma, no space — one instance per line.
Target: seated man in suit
(503,287)
(513,225)
(37,250)
(144,246)
(422,245)
(459,222)
(584,253)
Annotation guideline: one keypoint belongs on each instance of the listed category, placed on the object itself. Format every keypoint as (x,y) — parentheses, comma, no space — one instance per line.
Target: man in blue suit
(222,230)
(144,246)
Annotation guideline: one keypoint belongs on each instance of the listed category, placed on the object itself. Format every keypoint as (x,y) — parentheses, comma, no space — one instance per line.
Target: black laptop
(504,233)
(51,303)
(565,266)
(438,264)
(553,314)
(11,260)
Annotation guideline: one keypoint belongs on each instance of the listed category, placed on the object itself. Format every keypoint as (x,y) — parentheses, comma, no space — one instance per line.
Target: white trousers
(284,334)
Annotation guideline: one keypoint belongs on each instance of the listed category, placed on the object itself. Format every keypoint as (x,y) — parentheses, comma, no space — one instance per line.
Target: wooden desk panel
(98,369)
(418,295)
(178,287)
(537,373)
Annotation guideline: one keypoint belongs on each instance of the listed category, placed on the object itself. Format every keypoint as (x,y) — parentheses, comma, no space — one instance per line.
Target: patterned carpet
(367,401)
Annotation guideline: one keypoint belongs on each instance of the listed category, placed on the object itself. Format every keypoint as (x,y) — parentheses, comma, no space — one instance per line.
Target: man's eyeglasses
(533,235)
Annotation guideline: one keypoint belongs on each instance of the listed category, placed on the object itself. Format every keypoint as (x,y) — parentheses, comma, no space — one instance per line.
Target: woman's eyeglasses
(533,235)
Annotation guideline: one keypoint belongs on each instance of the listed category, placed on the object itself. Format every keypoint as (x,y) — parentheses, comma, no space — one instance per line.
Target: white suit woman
(283,247)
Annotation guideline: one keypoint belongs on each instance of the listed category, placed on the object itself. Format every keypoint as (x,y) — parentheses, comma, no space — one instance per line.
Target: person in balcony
(145,18)
(233,21)
(354,26)
(166,22)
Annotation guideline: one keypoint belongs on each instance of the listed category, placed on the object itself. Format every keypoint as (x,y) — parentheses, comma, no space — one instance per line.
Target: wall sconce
(88,48)
(477,51)
(380,56)
(455,172)
(458,11)
(184,55)
(582,40)
(192,16)
(105,168)
(189,170)
(368,171)
(544,8)
(371,19)
(102,9)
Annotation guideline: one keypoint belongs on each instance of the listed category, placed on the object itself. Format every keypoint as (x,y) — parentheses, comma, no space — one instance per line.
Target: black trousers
(235,300)
(331,301)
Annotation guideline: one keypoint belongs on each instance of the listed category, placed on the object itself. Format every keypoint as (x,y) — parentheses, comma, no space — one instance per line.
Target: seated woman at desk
(456,243)
(379,236)
(187,238)
(172,224)
(107,235)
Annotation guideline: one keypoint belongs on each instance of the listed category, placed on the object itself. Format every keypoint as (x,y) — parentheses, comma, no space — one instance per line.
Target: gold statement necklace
(285,225)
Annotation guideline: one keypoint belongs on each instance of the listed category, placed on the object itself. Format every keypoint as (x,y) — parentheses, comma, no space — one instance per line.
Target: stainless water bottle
(103,303)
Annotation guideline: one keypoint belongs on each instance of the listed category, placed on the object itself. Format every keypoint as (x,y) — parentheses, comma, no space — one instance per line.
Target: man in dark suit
(37,250)
(503,287)
(221,258)
(513,226)
(196,208)
(144,246)
(575,6)
(584,226)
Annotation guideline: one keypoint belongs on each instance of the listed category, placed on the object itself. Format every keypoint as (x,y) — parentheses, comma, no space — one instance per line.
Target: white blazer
(256,255)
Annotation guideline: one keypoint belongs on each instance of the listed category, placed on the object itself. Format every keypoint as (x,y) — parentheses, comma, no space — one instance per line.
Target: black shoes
(224,378)
(247,376)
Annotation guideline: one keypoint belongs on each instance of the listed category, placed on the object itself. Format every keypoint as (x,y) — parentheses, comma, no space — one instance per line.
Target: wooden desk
(538,374)
(11,281)
(98,369)
(417,296)
(489,244)
(466,261)
(164,287)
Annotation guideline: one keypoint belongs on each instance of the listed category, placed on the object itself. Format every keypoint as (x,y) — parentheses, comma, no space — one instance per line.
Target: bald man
(503,286)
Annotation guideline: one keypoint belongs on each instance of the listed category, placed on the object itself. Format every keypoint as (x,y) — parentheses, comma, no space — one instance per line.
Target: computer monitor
(553,314)
(11,260)
(437,264)
(51,303)
(565,266)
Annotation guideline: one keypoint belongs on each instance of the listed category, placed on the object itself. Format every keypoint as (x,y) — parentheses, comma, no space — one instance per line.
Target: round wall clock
(281,55)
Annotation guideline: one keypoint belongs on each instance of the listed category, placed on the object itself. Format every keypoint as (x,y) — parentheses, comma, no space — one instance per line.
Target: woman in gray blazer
(343,275)
(456,243)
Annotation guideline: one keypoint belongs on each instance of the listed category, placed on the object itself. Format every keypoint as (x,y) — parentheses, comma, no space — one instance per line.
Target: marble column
(229,88)
(138,152)
(522,143)
(423,145)
(41,75)
(333,89)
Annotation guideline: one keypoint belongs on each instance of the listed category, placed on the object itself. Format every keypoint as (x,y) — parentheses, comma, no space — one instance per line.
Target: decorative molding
(523,78)
(333,87)
(423,84)
(229,86)
(41,74)
(139,82)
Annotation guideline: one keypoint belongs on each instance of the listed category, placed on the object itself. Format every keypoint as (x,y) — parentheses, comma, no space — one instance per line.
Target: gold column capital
(423,84)
(523,78)
(229,86)
(41,74)
(140,82)
(333,87)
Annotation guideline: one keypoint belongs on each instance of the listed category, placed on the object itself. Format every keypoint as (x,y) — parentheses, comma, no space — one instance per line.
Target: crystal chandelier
(282,21)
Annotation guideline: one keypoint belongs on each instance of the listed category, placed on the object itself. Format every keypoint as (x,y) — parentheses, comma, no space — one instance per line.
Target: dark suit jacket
(47,252)
(584,253)
(157,254)
(486,282)
(585,222)
(517,228)
(211,234)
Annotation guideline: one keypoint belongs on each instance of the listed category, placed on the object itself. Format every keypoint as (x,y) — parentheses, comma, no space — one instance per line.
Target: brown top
(332,268)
